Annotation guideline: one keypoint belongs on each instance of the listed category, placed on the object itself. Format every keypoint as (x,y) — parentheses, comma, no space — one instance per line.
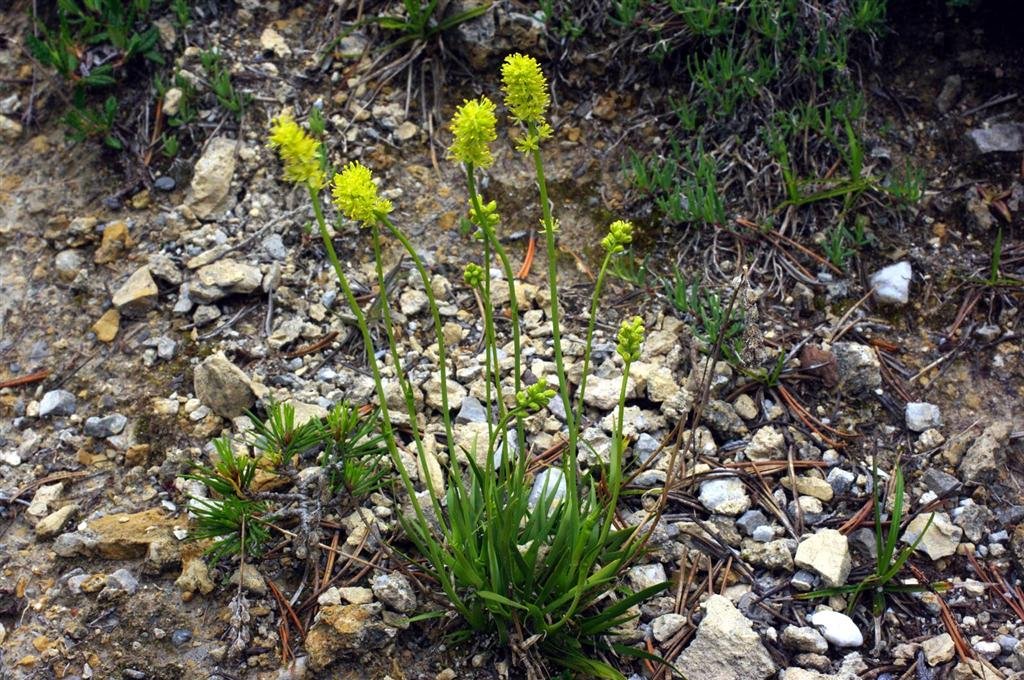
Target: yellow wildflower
(631,336)
(620,235)
(355,194)
(473,275)
(298,151)
(525,88)
(473,126)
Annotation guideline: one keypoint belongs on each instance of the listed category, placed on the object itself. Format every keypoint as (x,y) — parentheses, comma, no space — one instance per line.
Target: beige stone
(107,326)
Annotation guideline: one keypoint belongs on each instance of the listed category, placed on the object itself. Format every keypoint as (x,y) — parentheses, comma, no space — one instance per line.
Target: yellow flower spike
(631,337)
(355,194)
(473,275)
(525,88)
(298,151)
(474,128)
(620,235)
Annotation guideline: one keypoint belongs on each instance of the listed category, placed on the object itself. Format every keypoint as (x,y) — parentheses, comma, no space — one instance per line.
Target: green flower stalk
(526,96)
(473,127)
(630,339)
(535,397)
(620,234)
(299,152)
(355,195)
(473,275)
(631,336)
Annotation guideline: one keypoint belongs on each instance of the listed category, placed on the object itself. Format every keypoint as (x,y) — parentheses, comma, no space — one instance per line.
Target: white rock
(138,294)
(804,639)
(272,41)
(172,100)
(646,575)
(725,496)
(46,496)
(725,647)
(10,129)
(892,284)
(838,628)
(211,178)
(938,649)
(667,625)
(412,301)
(549,484)
(767,443)
(826,553)
(603,393)
(921,416)
(940,540)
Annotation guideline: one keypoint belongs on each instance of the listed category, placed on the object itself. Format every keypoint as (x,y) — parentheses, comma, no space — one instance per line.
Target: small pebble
(107,426)
(164,183)
(57,403)
(180,637)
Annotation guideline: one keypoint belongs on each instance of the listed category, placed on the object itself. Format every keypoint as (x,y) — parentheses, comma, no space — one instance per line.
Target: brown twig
(531,250)
(772,235)
(311,348)
(26,379)
(810,421)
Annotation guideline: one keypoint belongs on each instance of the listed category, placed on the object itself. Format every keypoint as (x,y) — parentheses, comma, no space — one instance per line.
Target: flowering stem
(442,354)
(400,375)
(357,312)
(556,332)
(615,461)
(513,301)
(595,298)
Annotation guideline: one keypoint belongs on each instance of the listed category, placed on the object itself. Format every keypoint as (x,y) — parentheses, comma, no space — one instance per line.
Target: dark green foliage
(279,439)
(710,318)
(92,44)
(233,520)
(237,518)
(221,86)
(354,451)
(518,569)
(422,21)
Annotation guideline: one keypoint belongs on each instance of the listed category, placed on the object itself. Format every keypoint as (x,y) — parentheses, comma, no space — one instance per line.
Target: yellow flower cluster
(355,194)
(535,397)
(631,337)
(474,129)
(525,88)
(298,151)
(620,235)
(473,275)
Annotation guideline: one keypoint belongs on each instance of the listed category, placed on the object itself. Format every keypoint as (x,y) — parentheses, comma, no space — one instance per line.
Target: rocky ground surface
(136,325)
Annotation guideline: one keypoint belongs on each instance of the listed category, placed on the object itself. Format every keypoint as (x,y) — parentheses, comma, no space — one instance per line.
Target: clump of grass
(103,49)
(715,322)
(92,44)
(220,84)
(768,118)
(881,583)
